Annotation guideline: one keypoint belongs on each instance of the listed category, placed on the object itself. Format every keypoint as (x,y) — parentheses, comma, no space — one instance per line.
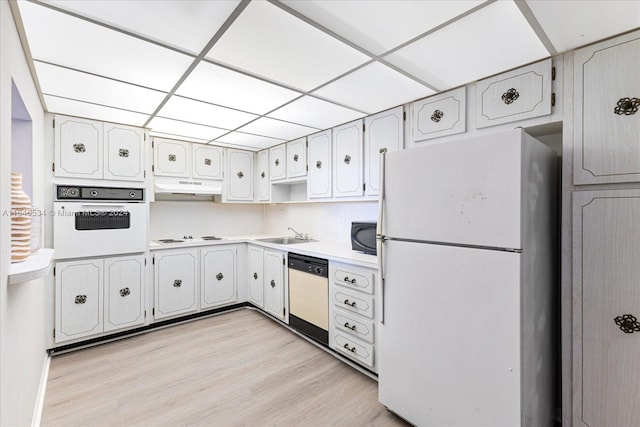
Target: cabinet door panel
(78,146)
(255,279)
(172,158)
(207,162)
(78,299)
(274,283)
(240,176)
(297,158)
(347,160)
(277,163)
(383,131)
(124,292)
(606,347)
(175,282)
(123,153)
(606,100)
(440,115)
(319,183)
(263,178)
(218,276)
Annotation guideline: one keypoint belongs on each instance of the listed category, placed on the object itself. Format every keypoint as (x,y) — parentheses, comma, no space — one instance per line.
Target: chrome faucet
(298,235)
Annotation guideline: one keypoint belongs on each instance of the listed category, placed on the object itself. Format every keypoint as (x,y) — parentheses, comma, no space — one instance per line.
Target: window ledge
(36,266)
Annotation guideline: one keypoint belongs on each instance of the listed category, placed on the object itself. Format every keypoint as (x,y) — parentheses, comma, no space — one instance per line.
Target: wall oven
(97,221)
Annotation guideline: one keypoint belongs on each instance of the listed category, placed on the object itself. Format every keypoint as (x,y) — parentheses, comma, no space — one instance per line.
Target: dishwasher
(309,296)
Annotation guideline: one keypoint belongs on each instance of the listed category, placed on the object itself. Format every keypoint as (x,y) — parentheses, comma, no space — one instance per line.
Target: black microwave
(363,236)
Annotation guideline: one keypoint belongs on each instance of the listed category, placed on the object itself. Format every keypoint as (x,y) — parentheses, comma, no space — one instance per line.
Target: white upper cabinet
(347,160)
(207,162)
(606,118)
(439,115)
(95,150)
(239,180)
(172,158)
(382,131)
(514,96)
(297,158)
(277,166)
(262,176)
(319,176)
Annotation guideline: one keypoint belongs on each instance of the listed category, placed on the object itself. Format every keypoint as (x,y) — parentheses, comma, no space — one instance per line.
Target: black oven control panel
(79,192)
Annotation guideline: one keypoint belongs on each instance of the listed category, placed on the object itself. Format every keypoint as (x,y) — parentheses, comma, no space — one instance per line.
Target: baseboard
(37,410)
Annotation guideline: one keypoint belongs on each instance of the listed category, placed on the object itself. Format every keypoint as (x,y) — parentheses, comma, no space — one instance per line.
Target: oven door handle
(103,205)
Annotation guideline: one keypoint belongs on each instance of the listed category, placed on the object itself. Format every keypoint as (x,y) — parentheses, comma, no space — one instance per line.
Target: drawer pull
(346,279)
(177,283)
(124,292)
(352,349)
(255,276)
(509,96)
(437,116)
(80,299)
(627,106)
(628,323)
(273,283)
(346,325)
(350,304)
(219,276)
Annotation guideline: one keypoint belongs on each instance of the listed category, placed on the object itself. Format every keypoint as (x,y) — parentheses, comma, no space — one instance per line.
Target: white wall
(322,221)
(171,219)
(22,306)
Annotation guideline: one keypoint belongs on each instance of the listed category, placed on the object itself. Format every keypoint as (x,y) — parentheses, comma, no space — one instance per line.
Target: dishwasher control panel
(308,264)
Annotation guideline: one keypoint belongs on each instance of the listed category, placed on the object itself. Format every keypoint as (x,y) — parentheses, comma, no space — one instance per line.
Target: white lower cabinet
(255,278)
(175,282)
(352,314)
(274,286)
(98,295)
(217,276)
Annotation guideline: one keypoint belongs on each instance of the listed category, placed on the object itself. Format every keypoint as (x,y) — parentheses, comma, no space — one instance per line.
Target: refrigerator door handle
(383,152)
(379,250)
(379,235)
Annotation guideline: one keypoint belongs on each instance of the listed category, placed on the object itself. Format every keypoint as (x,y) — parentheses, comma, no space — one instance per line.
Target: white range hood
(187,186)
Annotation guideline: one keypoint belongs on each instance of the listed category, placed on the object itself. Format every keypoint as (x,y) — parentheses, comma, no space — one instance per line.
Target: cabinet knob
(277,162)
(177,283)
(79,148)
(124,292)
(80,299)
(255,276)
(219,276)
(240,174)
(123,152)
(273,283)
(353,327)
(351,349)
(319,164)
(627,106)
(437,116)
(172,157)
(350,304)
(295,157)
(207,162)
(262,175)
(346,279)
(509,96)
(347,159)
(628,323)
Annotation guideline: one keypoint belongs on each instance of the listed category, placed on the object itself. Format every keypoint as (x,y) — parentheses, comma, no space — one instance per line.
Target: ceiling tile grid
(256,74)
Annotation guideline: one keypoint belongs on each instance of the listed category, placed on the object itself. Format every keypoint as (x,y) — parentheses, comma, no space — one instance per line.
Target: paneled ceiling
(253,74)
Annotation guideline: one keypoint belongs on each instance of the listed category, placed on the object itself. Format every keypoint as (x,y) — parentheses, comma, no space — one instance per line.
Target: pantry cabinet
(124,300)
(606,308)
(262,176)
(95,150)
(383,131)
(606,127)
(217,276)
(347,160)
(207,162)
(319,176)
(278,162)
(172,158)
(439,115)
(255,275)
(274,283)
(239,179)
(175,282)
(297,158)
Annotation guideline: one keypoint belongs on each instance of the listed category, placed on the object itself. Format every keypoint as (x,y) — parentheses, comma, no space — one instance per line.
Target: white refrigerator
(467,249)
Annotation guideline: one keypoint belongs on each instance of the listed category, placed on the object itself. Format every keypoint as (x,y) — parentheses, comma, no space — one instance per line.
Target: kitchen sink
(285,240)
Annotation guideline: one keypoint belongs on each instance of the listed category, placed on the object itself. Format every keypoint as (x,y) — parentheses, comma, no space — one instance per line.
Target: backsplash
(322,221)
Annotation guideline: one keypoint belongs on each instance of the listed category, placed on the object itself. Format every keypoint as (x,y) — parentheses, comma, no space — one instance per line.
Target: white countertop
(34,267)
(323,249)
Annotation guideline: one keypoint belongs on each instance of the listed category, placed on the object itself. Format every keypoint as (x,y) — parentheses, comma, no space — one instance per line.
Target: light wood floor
(235,369)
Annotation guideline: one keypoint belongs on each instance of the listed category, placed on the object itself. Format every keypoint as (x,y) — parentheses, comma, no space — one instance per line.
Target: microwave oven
(363,236)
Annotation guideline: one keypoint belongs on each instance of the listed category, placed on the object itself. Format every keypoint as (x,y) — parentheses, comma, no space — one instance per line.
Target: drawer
(517,95)
(353,348)
(350,301)
(354,278)
(439,115)
(360,328)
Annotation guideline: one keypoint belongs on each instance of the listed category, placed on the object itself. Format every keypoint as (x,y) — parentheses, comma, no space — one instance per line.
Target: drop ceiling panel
(86,87)
(92,111)
(381,25)
(491,40)
(247,140)
(373,88)
(597,20)
(277,129)
(62,39)
(181,137)
(315,112)
(185,24)
(178,128)
(206,114)
(222,86)
(272,43)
